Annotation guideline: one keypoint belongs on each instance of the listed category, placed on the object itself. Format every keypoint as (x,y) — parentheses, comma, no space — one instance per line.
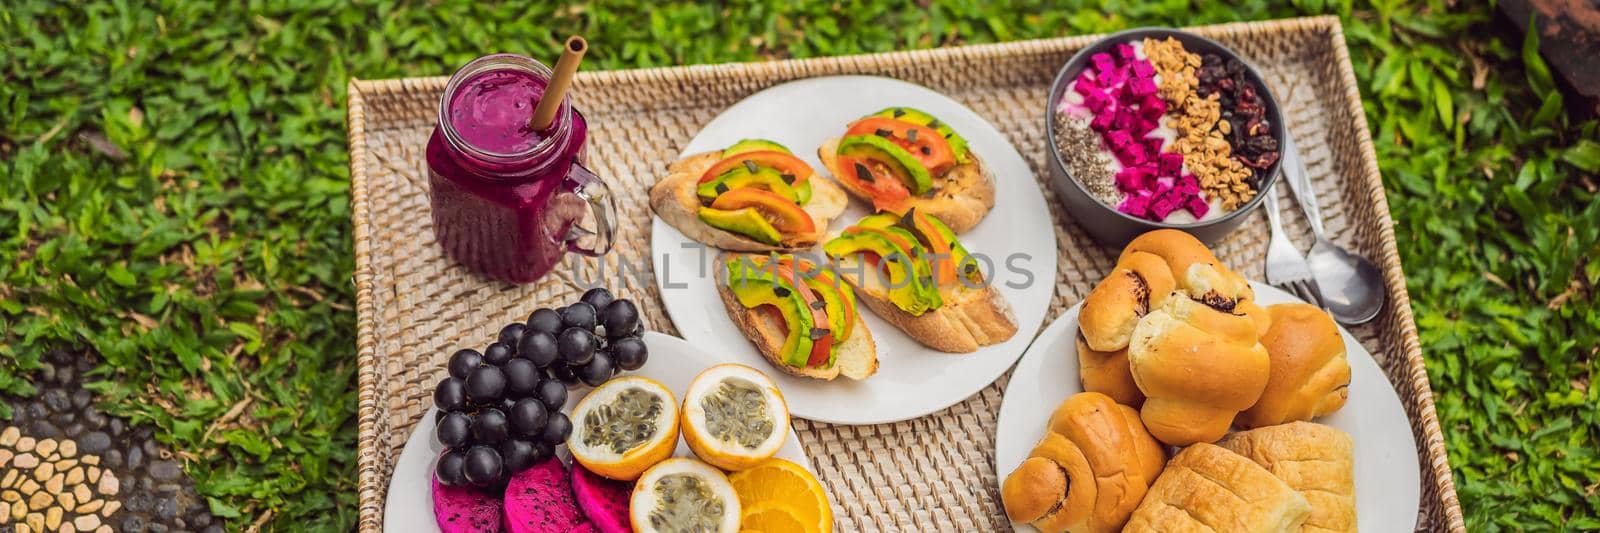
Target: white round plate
(912,380)
(1388,478)
(673,362)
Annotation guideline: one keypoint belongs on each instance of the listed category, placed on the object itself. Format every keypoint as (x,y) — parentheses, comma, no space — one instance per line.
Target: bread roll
(1310,376)
(1257,314)
(1208,489)
(1314,459)
(1108,373)
(1140,282)
(1198,367)
(1124,458)
(1120,459)
(1196,269)
(1053,489)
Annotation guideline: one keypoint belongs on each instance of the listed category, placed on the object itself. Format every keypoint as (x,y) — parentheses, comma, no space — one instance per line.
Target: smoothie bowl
(1155,128)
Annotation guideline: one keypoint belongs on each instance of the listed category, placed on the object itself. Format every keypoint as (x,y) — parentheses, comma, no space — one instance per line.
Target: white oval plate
(673,362)
(912,380)
(1388,478)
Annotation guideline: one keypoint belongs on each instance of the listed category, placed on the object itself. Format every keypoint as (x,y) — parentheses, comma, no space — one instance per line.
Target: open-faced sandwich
(911,270)
(799,315)
(901,158)
(755,196)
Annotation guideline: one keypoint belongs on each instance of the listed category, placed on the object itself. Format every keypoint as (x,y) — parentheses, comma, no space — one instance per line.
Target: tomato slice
(924,143)
(785,164)
(880,183)
(946,267)
(785,217)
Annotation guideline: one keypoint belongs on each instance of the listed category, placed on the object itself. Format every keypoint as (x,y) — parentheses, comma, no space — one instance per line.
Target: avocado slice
(755,287)
(916,178)
(833,298)
(753,145)
(754,176)
(910,281)
(958,145)
(747,222)
(958,253)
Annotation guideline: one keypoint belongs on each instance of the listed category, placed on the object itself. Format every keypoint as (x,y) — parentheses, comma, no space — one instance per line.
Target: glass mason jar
(509,202)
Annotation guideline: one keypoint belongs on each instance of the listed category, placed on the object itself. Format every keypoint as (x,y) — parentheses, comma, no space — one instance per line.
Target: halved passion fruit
(624,427)
(684,495)
(734,417)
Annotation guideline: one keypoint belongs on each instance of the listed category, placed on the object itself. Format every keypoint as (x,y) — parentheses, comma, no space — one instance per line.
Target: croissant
(1314,459)
(1206,488)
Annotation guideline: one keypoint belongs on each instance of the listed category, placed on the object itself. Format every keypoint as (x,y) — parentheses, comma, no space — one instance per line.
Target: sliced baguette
(674,200)
(856,357)
(969,318)
(960,198)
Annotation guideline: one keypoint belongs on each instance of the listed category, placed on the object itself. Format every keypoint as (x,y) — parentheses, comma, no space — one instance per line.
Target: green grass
(175,198)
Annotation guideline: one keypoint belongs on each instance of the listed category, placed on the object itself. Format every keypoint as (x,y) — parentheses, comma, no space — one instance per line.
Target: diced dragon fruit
(1151,108)
(1136,205)
(1142,128)
(1144,70)
(1163,205)
(1142,87)
(1102,62)
(1132,178)
(1096,101)
(1170,163)
(1189,184)
(1086,86)
(1125,52)
(1197,206)
(1124,119)
(1132,155)
(1153,144)
(1102,121)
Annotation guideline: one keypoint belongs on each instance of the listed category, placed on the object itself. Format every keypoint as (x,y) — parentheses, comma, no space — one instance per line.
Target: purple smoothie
(501,192)
(492,111)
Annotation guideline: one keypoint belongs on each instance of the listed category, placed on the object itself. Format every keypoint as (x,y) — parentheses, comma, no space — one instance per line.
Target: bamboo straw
(571,56)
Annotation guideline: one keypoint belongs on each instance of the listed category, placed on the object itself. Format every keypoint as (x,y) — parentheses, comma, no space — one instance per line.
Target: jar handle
(594,191)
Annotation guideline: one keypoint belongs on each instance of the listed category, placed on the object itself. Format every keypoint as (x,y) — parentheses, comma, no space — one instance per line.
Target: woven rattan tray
(933,473)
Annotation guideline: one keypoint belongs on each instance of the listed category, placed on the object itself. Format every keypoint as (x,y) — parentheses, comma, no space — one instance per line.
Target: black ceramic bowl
(1105,223)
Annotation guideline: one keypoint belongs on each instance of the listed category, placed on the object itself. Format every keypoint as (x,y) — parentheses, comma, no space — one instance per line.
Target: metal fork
(1287,268)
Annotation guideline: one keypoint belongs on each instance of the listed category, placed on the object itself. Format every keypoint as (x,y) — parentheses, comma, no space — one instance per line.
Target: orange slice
(776,484)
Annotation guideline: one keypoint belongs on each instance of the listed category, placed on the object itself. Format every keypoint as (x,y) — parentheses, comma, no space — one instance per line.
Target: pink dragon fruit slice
(1125,52)
(1144,70)
(1102,121)
(603,501)
(1096,101)
(1142,87)
(1197,206)
(1086,86)
(1163,205)
(1170,163)
(1102,63)
(540,500)
(465,509)
(1131,179)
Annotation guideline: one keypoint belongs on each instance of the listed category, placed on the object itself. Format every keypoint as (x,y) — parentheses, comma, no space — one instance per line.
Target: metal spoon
(1352,287)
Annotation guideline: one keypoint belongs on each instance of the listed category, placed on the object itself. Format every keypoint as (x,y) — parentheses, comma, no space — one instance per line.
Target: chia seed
(1080,151)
